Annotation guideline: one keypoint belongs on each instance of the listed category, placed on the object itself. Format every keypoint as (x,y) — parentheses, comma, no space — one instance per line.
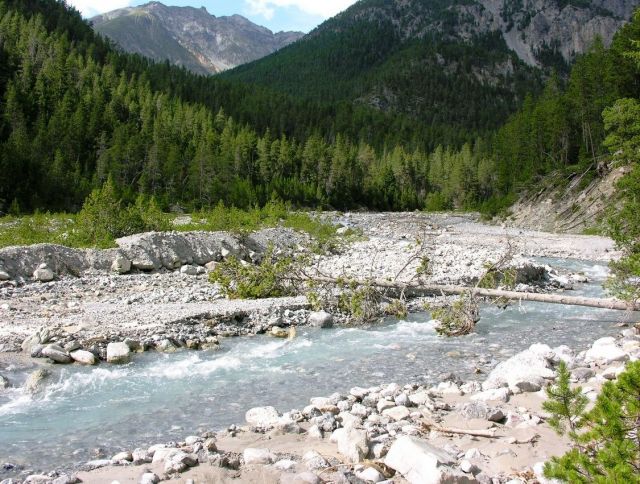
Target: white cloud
(321,8)
(89,8)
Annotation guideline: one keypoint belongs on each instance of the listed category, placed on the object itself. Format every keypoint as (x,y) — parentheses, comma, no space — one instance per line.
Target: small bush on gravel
(271,278)
(608,449)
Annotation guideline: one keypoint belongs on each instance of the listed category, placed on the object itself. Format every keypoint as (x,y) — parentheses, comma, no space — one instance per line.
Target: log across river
(416,289)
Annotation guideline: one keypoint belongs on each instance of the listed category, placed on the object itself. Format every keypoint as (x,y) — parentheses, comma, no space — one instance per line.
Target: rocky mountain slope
(474,58)
(190,37)
(573,205)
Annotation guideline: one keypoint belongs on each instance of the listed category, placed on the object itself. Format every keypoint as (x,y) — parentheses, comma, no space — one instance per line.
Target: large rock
(258,457)
(397,413)
(121,265)
(262,417)
(43,274)
(533,366)
(421,463)
(57,354)
(149,478)
(321,319)
(604,351)
(36,380)
(4,382)
(496,395)
(278,332)
(480,410)
(352,443)
(141,456)
(118,353)
(179,462)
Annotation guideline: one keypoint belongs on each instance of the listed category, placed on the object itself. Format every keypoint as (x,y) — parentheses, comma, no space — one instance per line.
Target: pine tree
(609,449)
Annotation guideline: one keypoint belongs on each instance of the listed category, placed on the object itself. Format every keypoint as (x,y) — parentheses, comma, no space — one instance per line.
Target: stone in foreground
(121,265)
(321,319)
(262,417)
(43,274)
(84,357)
(258,457)
(118,353)
(57,354)
(352,443)
(421,463)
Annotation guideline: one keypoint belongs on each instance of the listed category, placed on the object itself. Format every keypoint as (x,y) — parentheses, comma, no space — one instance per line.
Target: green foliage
(361,303)
(458,318)
(241,280)
(565,405)
(608,450)
(36,229)
(495,277)
(103,218)
(100,221)
(75,112)
(624,228)
(622,123)
(398,309)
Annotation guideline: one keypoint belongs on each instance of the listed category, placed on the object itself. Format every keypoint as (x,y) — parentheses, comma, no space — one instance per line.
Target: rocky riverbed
(154,288)
(152,293)
(489,432)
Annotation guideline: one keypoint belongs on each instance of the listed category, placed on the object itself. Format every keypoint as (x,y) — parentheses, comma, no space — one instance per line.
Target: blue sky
(277,15)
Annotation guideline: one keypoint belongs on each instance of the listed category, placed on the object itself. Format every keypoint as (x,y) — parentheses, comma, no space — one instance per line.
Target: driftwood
(488,434)
(417,289)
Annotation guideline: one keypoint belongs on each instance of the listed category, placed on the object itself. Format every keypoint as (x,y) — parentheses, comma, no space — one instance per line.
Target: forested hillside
(76,111)
(459,67)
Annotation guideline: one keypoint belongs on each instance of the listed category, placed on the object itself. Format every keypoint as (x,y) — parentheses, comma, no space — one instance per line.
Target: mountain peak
(190,37)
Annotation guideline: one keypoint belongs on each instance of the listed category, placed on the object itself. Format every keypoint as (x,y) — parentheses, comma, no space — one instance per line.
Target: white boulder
(397,413)
(604,351)
(421,463)
(121,265)
(43,273)
(321,319)
(258,456)
(352,443)
(83,357)
(262,417)
(533,366)
(118,353)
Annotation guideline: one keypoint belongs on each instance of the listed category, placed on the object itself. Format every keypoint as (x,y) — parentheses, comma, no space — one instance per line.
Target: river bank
(487,430)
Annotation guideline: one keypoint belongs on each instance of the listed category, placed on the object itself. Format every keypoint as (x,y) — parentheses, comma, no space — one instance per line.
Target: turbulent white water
(159,398)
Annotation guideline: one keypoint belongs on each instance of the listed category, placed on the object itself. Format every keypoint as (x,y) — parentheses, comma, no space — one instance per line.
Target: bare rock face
(190,37)
(542,25)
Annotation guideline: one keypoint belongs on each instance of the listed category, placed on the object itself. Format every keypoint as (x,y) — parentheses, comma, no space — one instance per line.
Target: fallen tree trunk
(416,289)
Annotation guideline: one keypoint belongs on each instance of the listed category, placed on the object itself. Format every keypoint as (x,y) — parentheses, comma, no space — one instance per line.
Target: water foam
(19,403)
(191,366)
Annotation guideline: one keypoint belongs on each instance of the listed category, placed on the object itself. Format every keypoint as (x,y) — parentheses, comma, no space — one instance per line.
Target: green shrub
(457,319)
(240,280)
(103,218)
(99,222)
